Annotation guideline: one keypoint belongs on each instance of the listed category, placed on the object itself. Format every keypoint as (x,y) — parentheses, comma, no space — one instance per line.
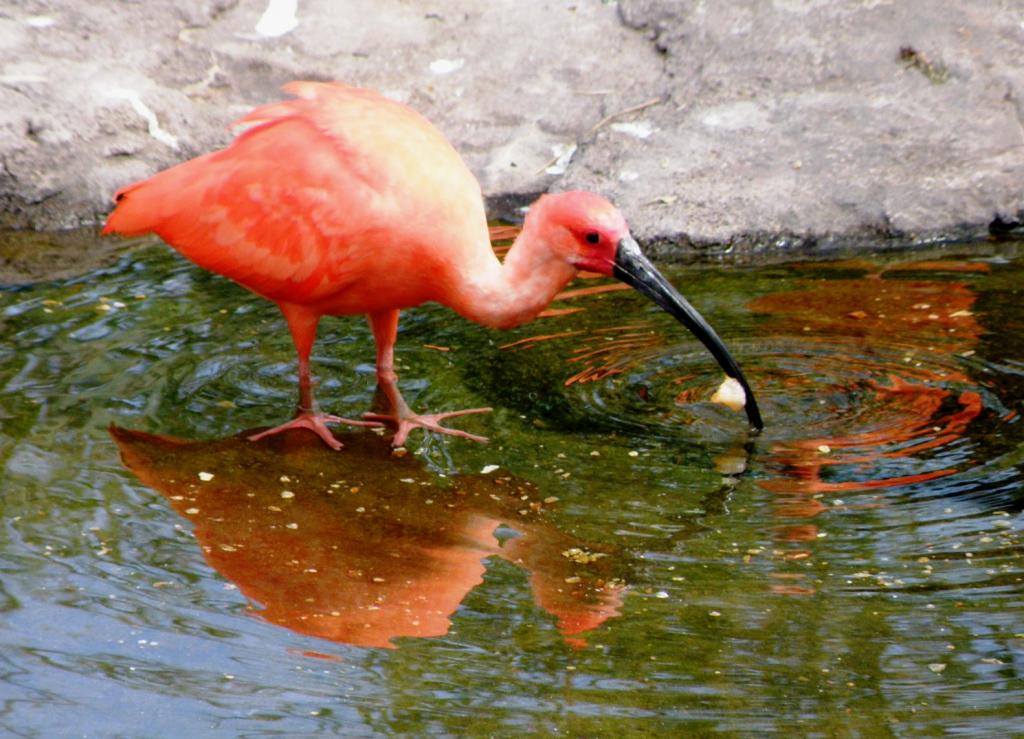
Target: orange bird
(341,201)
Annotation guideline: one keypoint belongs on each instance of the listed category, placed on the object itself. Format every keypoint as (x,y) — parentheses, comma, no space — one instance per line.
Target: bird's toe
(405,423)
(317,423)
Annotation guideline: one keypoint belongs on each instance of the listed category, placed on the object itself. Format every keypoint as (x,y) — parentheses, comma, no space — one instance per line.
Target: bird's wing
(297,203)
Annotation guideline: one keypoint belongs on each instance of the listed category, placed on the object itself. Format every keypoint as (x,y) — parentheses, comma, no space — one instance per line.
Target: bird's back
(319,202)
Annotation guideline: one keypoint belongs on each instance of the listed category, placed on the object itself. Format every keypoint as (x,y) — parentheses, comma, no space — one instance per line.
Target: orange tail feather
(131,216)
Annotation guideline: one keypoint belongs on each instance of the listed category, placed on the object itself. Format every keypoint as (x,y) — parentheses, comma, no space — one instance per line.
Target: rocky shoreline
(738,128)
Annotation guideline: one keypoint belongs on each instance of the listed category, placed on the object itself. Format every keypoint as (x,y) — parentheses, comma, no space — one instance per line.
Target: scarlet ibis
(341,201)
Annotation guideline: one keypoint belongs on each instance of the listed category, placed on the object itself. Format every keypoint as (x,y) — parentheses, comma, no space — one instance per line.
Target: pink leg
(385,331)
(303,322)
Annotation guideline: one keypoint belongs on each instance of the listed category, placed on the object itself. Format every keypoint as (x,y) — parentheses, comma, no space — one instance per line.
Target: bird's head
(582,228)
(590,234)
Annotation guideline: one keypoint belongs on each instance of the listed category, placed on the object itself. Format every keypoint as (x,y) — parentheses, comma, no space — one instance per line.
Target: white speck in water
(205,476)
(446,66)
(278,19)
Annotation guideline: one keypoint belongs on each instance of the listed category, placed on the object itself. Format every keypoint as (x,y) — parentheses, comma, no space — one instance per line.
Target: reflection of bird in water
(364,547)
(911,413)
(914,405)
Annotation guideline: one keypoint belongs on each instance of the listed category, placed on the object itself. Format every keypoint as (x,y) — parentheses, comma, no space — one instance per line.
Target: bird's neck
(503,295)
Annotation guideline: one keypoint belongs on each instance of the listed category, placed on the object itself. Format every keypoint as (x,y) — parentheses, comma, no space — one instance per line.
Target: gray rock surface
(744,124)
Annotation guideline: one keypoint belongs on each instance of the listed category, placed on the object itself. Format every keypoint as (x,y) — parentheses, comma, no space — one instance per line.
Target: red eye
(593,237)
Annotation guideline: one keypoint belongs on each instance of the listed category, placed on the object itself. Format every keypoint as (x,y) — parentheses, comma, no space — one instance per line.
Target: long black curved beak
(633,268)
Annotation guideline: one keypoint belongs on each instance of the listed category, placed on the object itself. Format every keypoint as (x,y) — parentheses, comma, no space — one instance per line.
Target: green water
(855,570)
